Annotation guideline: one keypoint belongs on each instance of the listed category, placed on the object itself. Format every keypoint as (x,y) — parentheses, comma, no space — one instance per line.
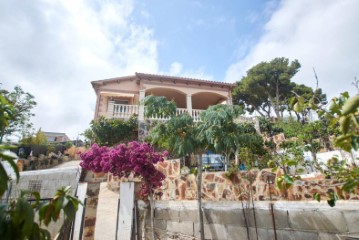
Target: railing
(122,110)
(126,111)
(196,114)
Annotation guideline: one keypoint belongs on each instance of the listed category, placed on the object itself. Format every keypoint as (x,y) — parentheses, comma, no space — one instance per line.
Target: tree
(159,106)
(305,98)
(267,87)
(17,217)
(23,103)
(342,114)
(123,160)
(179,135)
(38,139)
(110,132)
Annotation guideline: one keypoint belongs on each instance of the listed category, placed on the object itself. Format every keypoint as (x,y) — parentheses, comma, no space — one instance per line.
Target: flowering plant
(122,160)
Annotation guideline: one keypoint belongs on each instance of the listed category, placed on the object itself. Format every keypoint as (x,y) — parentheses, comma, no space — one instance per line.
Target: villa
(121,97)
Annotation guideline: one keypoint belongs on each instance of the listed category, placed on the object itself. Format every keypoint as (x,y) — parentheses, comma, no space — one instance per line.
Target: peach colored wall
(133,86)
(130,87)
(186,89)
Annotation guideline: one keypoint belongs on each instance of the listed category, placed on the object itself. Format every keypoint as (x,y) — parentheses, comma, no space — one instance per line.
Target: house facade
(121,97)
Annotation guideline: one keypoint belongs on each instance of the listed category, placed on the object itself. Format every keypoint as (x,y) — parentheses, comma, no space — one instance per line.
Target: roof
(163,78)
(54,134)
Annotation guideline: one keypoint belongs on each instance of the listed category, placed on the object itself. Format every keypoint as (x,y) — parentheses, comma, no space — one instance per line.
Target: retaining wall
(231,220)
(216,186)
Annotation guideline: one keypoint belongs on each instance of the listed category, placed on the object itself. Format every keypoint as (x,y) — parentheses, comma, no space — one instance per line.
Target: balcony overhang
(117,94)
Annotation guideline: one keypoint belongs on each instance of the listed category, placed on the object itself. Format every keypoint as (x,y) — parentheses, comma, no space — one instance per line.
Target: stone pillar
(93,190)
(189,104)
(110,109)
(141,110)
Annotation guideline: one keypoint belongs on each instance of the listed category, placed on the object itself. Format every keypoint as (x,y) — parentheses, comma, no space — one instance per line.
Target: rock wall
(216,186)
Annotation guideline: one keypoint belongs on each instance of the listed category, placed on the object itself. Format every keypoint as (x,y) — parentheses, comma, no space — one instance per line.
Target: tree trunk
(314,156)
(236,160)
(152,215)
(199,197)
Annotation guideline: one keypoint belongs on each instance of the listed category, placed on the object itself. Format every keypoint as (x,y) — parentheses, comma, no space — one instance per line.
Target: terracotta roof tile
(144,75)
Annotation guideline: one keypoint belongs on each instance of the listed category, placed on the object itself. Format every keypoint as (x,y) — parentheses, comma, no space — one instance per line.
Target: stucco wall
(231,220)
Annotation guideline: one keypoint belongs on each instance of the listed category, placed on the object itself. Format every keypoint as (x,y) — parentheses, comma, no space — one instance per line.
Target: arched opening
(203,100)
(171,94)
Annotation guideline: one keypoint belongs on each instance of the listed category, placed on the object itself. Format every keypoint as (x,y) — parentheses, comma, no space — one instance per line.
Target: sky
(53,49)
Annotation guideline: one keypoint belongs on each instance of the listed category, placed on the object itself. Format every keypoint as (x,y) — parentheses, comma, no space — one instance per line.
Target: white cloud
(176,69)
(321,34)
(54,49)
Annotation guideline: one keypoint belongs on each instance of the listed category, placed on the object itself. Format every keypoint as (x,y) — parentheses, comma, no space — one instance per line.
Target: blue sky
(206,35)
(55,48)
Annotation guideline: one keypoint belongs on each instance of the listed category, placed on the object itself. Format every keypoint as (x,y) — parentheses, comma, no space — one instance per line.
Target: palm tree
(179,135)
(220,131)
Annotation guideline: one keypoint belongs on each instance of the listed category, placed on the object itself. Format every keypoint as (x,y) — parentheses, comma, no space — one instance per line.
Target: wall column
(189,104)
(229,99)
(141,109)
(110,109)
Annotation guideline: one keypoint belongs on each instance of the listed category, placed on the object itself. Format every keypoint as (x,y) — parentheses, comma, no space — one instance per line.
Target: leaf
(344,122)
(4,180)
(291,163)
(288,179)
(24,215)
(350,185)
(351,105)
(331,202)
(316,196)
(297,107)
(70,210)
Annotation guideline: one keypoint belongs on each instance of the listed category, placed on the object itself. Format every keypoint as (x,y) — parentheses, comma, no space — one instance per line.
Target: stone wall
(216,186)
(232,220)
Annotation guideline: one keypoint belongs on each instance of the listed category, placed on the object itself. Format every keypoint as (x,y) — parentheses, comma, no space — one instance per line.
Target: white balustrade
(122,110)
(126,111)
(196,114)
(180,111)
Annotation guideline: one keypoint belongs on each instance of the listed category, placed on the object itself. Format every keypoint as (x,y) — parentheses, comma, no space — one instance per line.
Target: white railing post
(110,109)
(189,104)
(141,110)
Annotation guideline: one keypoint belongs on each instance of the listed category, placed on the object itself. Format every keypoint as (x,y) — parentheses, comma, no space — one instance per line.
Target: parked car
(214,162)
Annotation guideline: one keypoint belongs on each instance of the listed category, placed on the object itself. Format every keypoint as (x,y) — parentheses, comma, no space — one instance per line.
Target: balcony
(126,111)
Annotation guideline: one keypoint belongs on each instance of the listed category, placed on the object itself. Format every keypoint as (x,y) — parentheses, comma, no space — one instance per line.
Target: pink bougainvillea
(122,160)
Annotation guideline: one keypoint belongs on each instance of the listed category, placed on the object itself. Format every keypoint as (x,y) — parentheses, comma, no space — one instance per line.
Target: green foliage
(159,106)
(306,99)
(267,87)
(68,144)
(292,157)
(19,122)
(89,135)
(110,132)
(6,112)
(177,135)
(268,127)
(232,171)
(38,139)
(6,156)
(17,219)
(344,112)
